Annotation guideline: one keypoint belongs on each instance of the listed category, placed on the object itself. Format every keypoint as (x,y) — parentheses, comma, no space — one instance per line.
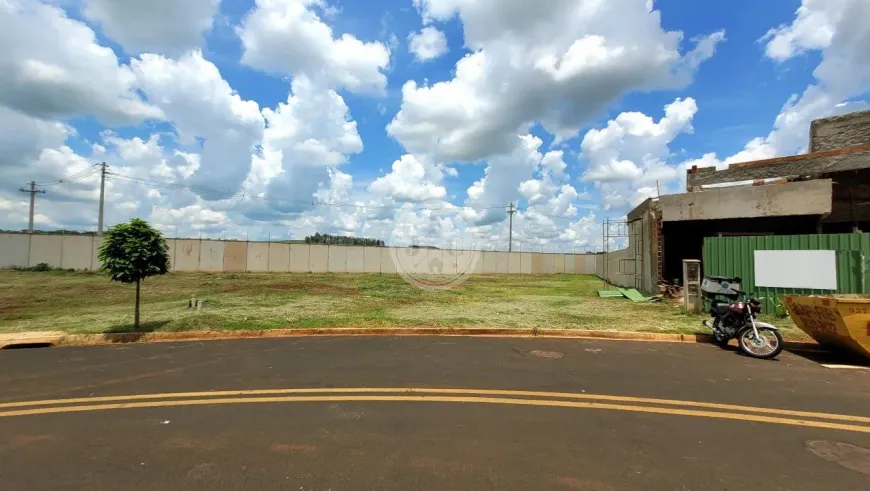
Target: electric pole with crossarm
(511,211)
(32,192)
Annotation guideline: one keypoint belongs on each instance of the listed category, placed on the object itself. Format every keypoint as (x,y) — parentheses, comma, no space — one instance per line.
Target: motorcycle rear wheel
(769,346)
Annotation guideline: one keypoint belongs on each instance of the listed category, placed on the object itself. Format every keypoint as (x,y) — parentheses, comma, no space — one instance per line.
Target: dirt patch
(850,456)
(285,448)
(24,440)
(312,287)
(450,466)
(192,443)
(547,354)
(585,484)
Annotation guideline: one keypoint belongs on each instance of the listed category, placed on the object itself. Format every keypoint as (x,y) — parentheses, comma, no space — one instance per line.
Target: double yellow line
(478,396)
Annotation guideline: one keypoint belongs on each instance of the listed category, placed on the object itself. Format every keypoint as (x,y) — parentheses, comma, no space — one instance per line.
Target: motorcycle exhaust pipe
(708,324)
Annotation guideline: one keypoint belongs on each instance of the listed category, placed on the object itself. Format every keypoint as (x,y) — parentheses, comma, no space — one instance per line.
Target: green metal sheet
(610,293)
(637,296)
(633,295)
(735,256)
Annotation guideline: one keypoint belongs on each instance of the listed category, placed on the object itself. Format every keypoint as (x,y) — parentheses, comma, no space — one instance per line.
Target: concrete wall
(469,262)
(848,130)
(257,260)
(337,259)
(537,263)
(490,265)
(46,249)
(526,262)
(548,264)
(435,261)
(279,257)
(501,262)
(559,264)
(14,249)
(515,263)
(372,260)
(235,257)
(80,252)
(186,255)
(585,264)
(356,259)
(794,198)
(300,258)
(211,255)
(614,276)
(388,264)
(77,251)
(450,258)
(318,259)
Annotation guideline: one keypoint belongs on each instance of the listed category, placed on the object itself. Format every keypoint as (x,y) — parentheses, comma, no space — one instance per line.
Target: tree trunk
(136,316)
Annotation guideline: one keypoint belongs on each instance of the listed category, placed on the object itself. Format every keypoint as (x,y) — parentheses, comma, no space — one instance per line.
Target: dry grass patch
(89,303)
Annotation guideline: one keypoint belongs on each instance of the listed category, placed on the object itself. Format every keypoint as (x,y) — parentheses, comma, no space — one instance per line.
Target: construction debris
(631,294)
(610,293)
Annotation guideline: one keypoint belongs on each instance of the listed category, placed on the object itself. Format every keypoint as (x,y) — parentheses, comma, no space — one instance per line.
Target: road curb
(165,337)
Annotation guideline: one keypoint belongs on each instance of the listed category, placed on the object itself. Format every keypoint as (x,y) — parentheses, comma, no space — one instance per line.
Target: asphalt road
(414,413)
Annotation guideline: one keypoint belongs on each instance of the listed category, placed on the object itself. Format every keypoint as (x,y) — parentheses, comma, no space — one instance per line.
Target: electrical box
(692,285)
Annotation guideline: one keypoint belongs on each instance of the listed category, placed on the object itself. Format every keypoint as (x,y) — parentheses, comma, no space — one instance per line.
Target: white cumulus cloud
(289,36)
(165,26)
(428,44)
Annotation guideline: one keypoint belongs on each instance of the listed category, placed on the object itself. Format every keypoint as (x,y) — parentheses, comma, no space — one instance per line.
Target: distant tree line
(329,239)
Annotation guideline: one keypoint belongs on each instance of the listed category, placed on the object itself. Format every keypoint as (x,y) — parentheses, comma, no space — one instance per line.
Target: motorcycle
(738,320)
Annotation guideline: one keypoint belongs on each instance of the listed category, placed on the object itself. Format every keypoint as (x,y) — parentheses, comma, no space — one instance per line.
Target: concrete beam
(795,198)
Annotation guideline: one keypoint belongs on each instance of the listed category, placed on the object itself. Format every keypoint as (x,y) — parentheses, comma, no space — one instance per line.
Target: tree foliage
(133,251)
(329,239)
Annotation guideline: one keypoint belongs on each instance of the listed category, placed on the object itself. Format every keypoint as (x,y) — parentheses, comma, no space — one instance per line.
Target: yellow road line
(475,392)
(478,400)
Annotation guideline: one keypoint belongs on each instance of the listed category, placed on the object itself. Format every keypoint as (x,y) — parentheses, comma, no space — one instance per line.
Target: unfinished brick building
(824,191)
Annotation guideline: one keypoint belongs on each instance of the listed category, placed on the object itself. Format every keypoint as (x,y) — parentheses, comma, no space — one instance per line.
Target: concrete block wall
(257,257)
(372,259)
(848,130)
(356,260)
(279,258)
(186,255)
(80,252)
(235,257)
(76,252)
(14,250)
(318,258)
(46,249)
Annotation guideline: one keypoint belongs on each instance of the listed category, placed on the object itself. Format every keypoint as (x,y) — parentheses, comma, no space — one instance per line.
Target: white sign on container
(815,270)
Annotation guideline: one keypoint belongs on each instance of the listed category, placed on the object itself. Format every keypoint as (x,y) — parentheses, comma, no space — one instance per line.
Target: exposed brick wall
(848,130)
(798,165)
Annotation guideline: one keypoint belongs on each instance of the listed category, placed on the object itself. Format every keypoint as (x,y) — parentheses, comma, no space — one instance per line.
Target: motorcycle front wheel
(768,345)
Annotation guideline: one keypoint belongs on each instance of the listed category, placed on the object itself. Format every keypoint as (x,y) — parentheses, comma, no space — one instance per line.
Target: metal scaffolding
(613,230)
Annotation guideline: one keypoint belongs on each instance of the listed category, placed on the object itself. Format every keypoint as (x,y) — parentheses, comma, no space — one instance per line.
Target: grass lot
(90,303)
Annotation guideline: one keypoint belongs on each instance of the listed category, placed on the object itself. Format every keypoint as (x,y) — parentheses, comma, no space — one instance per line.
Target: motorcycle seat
(719,308)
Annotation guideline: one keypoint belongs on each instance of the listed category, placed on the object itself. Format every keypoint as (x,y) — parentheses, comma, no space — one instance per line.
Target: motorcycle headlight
(756,308)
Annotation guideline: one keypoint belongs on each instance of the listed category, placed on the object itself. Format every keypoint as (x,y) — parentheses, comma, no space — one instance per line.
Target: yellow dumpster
(838,322)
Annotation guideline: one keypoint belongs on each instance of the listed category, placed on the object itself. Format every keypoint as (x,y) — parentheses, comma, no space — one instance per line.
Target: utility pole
(511,211)
(102,197)
(32,192)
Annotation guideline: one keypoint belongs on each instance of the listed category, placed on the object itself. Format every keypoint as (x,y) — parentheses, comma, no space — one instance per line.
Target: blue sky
(572,111)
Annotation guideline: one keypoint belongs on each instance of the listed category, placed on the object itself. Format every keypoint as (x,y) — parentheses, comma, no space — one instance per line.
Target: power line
(77,176)
(229,195)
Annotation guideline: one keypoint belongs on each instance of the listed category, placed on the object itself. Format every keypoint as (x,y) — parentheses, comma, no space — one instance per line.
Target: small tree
(132,252)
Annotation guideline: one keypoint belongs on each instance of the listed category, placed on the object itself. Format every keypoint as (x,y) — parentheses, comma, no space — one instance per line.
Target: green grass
(90,303)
